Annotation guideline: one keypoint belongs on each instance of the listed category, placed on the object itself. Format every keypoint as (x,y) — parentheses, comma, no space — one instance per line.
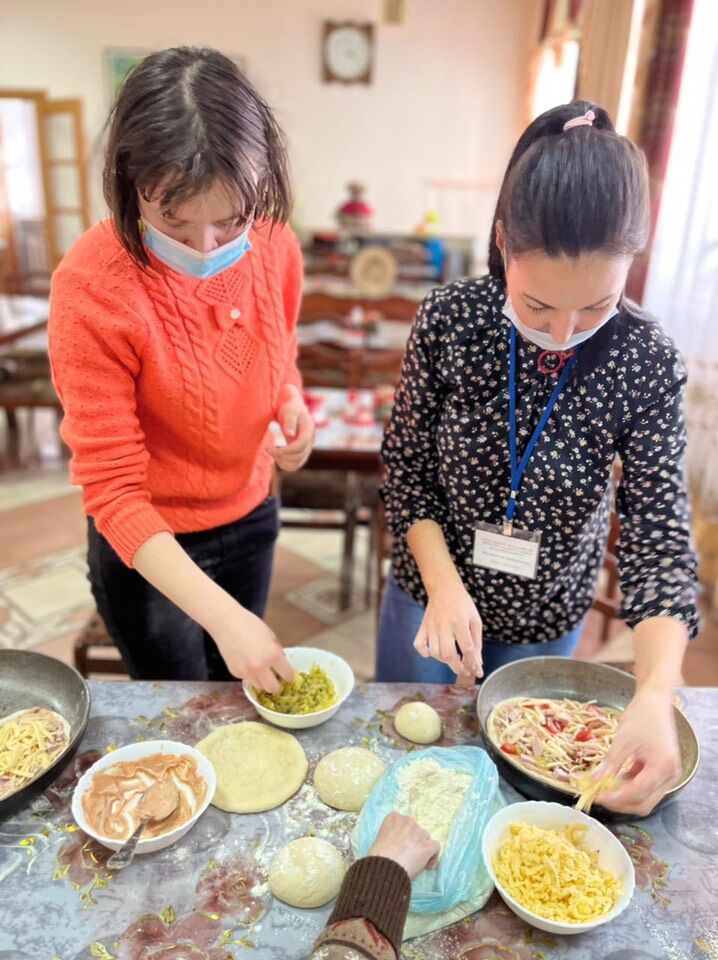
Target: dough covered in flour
(307,872)
(418,722)
(345,777)
(432,794)
(258,767)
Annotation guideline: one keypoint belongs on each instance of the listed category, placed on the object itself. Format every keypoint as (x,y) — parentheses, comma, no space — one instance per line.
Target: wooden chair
(607,601)
(25,383)
(92,638)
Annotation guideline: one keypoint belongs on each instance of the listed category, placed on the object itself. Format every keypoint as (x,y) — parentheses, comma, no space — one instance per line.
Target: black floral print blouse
(446,458)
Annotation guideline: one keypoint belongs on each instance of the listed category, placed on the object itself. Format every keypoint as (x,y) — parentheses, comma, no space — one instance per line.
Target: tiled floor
(45,599)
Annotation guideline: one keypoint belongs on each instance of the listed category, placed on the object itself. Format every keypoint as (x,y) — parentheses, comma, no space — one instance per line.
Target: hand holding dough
(345,777)
(307,872)
(418,722)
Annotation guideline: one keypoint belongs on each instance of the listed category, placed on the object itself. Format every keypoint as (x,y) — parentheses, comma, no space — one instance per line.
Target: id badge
(499,547)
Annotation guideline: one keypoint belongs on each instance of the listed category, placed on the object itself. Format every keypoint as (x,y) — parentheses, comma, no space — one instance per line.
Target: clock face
(348,53)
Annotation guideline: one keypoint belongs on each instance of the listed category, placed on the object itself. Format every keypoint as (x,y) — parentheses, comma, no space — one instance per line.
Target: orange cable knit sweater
(168,384)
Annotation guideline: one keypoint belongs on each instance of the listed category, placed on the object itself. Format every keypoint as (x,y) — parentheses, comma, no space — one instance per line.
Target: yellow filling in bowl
(552,874)
(307,693)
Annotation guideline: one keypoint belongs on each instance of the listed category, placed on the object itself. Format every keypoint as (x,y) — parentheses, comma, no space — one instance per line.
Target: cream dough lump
(257,766)
(345,777)
(307,872)
(418,722)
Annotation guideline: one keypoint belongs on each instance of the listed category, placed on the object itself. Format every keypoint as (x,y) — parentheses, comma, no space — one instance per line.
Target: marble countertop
(206,896)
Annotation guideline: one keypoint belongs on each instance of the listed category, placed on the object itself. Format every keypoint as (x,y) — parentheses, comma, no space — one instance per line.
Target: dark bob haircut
(185,119)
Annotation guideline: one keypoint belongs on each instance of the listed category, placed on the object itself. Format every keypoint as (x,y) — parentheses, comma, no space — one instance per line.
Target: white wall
(447,100)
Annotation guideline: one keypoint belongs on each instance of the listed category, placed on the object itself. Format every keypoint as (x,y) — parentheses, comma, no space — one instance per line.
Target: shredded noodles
(591,788)
(552,874)
(559,740)
(30,741)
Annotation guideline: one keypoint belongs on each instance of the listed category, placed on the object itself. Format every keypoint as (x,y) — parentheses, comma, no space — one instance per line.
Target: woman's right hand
(402,839)
(452,619)
(251,650)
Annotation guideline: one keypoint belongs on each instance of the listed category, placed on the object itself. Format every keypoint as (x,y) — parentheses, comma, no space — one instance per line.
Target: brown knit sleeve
(371,909)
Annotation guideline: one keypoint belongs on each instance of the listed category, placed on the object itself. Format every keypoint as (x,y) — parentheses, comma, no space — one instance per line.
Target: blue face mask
(189,262)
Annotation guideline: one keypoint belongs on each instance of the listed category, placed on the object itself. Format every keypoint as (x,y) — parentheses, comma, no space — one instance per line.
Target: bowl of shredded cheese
(321,684)
(556,868)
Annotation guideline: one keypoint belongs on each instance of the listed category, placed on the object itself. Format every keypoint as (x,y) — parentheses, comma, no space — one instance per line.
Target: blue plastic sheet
(461,867)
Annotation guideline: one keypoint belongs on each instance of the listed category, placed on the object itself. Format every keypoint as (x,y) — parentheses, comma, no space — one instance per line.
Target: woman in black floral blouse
(496,556)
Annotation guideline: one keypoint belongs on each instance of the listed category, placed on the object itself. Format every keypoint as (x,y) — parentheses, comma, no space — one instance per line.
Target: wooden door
(62,159)
(8,258)
(62,150)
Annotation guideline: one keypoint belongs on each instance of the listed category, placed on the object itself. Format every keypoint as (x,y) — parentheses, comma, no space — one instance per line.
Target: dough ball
(258,767)
(307,872)
(418,722)
(345,777)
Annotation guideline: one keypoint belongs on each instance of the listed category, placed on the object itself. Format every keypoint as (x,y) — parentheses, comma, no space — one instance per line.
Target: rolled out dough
(258,767)
(345,777)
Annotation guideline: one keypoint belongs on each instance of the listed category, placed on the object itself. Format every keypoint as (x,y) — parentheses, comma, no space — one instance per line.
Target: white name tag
(516,552)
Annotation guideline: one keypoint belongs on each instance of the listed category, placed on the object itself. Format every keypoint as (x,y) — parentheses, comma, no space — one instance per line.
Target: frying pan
(29,679)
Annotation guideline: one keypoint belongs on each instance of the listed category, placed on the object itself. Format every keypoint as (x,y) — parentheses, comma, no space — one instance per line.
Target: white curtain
(682,286)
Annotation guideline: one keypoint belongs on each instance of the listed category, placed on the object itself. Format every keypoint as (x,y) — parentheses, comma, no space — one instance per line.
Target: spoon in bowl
(156,804)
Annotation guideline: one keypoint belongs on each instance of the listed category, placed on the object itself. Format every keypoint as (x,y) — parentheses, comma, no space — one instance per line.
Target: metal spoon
(156,804)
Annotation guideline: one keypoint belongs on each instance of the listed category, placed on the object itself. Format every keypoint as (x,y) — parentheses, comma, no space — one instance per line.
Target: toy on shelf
(355,215)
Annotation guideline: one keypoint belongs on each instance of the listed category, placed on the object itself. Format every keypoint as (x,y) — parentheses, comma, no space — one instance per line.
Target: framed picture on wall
(118,63)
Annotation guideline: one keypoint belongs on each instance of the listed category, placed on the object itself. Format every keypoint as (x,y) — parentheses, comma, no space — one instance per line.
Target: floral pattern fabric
(446,456)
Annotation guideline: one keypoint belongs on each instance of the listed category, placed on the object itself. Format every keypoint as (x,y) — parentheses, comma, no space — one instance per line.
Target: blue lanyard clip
(518,469)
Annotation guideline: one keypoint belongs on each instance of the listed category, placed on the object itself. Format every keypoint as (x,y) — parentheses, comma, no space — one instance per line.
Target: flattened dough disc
(258,767)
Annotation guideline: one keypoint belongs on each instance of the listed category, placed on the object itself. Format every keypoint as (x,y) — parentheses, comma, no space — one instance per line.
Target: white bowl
(304,658)
(611,856)
(134,751)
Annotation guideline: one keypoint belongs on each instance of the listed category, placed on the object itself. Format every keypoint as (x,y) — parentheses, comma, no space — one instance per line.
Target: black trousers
(156,639)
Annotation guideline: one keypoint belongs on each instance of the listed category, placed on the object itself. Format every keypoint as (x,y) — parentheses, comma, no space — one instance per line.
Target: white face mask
(544,340)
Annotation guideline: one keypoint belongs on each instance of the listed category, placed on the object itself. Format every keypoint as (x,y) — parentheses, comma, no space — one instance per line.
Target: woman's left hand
(298,429)
(647,735)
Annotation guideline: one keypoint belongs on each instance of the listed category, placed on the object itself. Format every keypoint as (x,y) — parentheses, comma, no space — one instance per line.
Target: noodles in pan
(30,742)
(558,741)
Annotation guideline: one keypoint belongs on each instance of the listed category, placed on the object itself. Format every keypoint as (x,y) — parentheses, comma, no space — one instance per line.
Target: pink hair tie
(585,121)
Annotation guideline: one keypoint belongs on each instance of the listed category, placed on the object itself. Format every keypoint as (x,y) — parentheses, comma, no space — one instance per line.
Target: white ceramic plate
(611,856)
(134,751)
(304,658)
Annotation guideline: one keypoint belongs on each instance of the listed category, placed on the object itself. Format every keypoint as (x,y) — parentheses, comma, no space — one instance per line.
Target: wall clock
(347,52)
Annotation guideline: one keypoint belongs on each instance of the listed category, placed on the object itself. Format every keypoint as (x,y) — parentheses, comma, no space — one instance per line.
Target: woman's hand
(298,429)
(647,735)
(251,651)
(402,839)
(451,618)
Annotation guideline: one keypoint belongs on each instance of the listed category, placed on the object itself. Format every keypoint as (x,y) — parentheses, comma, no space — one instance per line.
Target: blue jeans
(397,661)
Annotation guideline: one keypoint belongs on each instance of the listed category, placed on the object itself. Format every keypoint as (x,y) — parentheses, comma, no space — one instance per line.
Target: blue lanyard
(518,470)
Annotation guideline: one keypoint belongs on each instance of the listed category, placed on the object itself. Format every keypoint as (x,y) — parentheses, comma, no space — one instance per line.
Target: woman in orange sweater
(173,348)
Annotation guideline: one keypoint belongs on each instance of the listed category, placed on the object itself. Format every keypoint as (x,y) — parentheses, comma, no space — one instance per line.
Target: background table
(20,316)
(206,895)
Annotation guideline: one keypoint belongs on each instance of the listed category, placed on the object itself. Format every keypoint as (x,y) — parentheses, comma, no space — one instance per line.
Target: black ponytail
(569,192)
